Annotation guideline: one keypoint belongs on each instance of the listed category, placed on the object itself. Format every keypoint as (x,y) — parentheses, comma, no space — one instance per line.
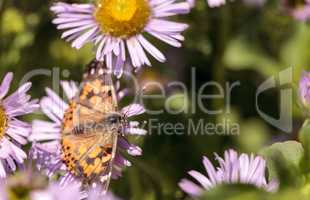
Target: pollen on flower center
(122,18)
(123,10)
(3,121)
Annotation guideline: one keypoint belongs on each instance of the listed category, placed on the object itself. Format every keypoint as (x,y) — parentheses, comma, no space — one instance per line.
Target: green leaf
(245,192)
(288,194)
(283,161)
(304,137)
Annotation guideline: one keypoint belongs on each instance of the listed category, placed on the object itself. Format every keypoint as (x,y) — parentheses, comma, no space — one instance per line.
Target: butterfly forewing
(89,138)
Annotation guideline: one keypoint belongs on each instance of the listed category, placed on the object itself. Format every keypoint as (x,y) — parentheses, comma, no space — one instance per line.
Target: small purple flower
(191,3)
(13,132)
(46,135)
(118,28)
(3,193)
(37,189)
(95,194)
(300,10)
(55,192)
(304,86)
(232,169)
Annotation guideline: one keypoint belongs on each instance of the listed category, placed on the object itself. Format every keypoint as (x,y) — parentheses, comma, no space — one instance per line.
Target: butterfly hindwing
(89,157)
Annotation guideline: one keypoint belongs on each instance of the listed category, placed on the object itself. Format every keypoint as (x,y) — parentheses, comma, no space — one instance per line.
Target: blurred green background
(232,43)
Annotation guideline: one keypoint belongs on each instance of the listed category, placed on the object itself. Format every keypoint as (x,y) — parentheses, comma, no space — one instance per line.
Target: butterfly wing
(88,143)
(98,92)
(90,157)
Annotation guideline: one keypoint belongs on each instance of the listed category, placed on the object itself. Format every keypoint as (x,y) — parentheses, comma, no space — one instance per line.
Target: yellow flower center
(122,18)
(3,122)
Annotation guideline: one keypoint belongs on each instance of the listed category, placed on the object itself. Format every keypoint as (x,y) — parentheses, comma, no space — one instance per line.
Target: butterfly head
(116,121)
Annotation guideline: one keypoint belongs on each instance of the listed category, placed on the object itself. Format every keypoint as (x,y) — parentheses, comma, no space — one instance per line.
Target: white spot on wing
(100,71)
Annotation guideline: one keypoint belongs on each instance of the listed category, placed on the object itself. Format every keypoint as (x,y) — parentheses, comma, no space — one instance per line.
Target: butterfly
(91,127)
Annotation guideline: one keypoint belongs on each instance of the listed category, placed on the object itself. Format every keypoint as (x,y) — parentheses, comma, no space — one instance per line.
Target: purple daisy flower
(191,3)
(300,10)
(46,135)
(304,86)
(55,192)
(37,188)
(3,194)
(116,25)
(13,132)
(95,194)
(233,169)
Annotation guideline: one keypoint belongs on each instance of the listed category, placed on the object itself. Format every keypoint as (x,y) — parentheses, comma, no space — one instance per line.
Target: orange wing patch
(98,96)
(85,158)
(67,124)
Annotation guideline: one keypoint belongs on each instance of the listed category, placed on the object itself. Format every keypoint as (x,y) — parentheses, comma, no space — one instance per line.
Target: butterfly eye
(113,119)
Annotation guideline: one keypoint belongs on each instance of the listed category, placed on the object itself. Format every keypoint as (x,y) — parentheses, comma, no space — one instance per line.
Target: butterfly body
(91,127)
